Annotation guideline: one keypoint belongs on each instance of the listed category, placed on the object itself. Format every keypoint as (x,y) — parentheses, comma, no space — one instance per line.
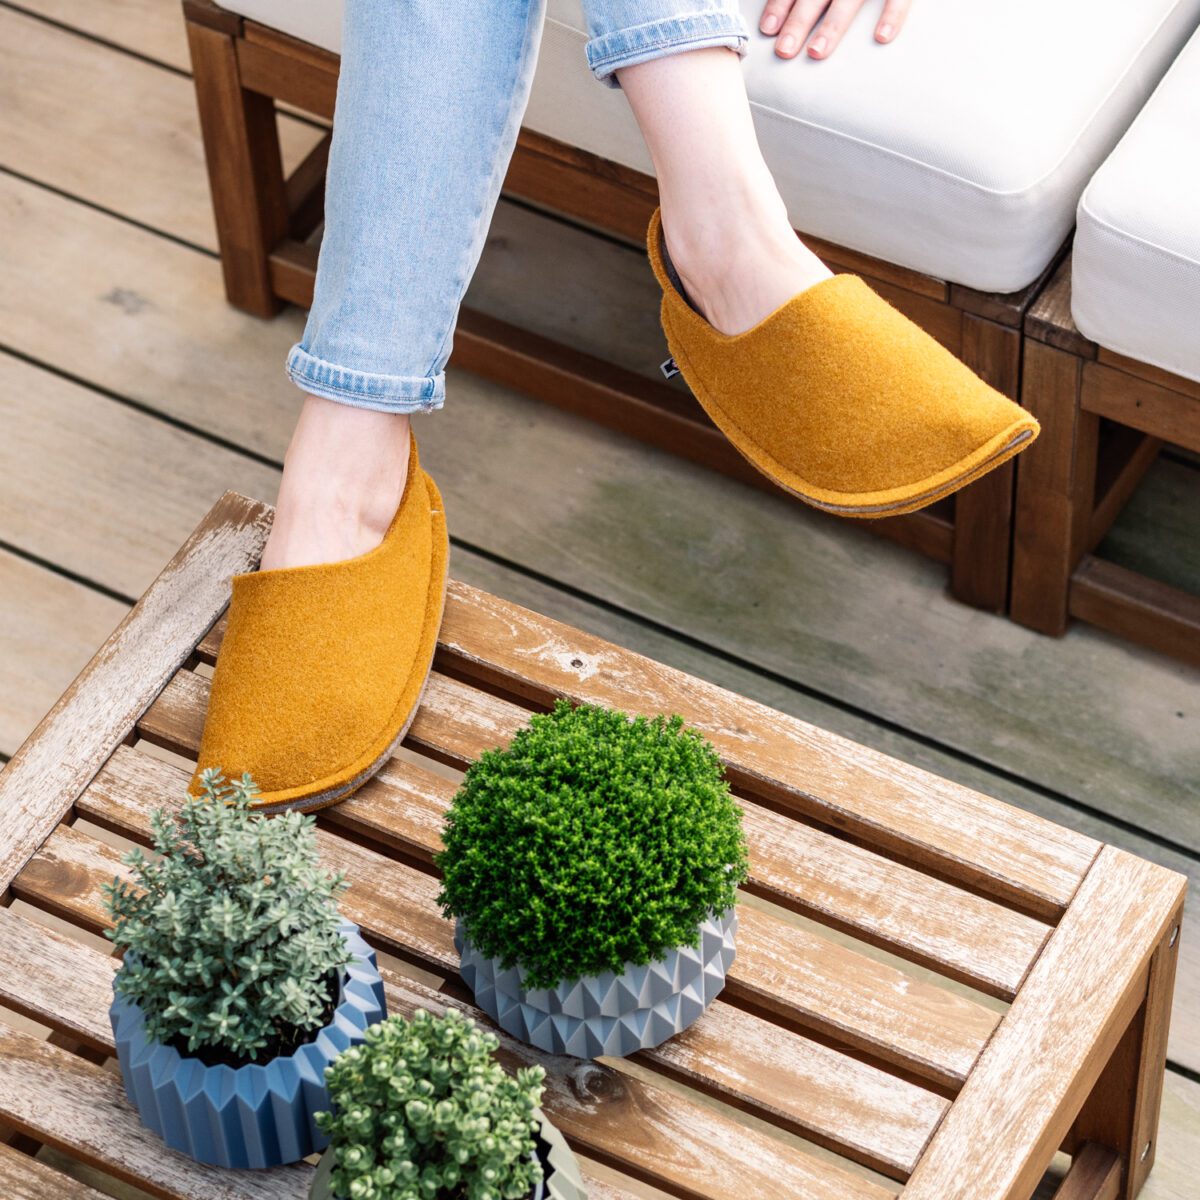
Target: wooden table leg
(1122,1110)
(1095,1174)
(1056,490)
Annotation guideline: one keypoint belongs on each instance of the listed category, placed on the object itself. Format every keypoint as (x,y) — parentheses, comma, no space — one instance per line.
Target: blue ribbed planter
(257,1115)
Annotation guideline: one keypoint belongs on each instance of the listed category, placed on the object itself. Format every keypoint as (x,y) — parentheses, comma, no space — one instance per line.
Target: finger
(891,20)
(833,27)
(797,26)
(773,15)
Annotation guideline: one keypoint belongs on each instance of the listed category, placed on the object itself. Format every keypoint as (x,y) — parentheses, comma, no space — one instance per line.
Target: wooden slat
(998,849)
(806,869)
(24,1178)
(98,710)
(1095,1174)
(590,1084)
(79,1108)
(1023,1094)
(1155,375)
(1145,405)
(266,71)
(842,1104)
(1137,608)
(56,980)
(781,970)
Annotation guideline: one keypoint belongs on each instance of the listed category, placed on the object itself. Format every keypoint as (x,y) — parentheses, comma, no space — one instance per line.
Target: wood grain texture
(1050,1049)
(1095,1174)
(1055,490)
(98,710)
(809,870)
(998,849)
(1146,405)
(127,136)
(24,1178)
(152,28)
(1157,615)
(56,980)
(679,1134)
(49,627)
(103,525)
(79,1108)
(781,970)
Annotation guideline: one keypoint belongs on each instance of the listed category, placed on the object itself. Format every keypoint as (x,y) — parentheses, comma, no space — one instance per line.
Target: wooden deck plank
(127,132)
(119,525)
(42,779)
(24,1178)
(809,870)
(782,970)
(49,627)
(153,28)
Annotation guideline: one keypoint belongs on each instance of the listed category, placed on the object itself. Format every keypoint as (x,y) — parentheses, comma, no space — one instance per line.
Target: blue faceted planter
(257,1115)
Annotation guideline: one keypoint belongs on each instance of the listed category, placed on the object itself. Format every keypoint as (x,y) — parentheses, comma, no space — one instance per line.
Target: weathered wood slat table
(933,991)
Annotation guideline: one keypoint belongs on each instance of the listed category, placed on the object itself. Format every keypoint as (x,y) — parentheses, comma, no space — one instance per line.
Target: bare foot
(343,478)
(739,258)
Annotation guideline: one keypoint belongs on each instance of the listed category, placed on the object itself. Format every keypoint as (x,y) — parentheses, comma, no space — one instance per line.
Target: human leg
(429,104)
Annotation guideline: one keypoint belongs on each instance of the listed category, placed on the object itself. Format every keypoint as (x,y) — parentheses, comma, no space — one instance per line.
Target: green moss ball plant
(592,867)
(422,1111)
(236,959)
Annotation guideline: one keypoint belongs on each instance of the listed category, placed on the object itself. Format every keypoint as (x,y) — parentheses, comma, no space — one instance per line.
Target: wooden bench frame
(1104,419)
(242,69)
(1080,937)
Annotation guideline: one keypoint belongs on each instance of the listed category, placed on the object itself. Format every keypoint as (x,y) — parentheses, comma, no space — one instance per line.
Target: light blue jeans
(429,104)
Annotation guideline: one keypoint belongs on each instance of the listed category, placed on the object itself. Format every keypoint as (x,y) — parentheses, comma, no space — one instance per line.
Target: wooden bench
(1104,419)
(931,987)
(265,223)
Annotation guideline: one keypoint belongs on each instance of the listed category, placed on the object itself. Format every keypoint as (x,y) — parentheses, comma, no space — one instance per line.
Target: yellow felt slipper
(840,398)
(322,668)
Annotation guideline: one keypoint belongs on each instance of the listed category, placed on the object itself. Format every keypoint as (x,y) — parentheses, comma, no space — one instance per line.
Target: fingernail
(787,44)
(885,32)
(770,23)
(817,46)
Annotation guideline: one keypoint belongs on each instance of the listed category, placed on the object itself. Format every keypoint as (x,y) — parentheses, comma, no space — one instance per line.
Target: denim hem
(656,39)
(360,389)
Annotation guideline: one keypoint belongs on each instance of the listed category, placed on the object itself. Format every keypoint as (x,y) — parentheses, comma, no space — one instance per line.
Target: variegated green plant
(231,930)
(422,1111)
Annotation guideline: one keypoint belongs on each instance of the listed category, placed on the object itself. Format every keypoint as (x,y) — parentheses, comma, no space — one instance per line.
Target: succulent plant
(231,932)
(591,842)
(422,1111)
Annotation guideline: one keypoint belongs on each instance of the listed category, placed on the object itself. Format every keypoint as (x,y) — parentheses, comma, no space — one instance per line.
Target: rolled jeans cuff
(671,35)
(359,389)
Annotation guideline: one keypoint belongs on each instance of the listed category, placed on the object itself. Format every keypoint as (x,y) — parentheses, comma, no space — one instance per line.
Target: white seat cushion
(960,150)
(1135,276)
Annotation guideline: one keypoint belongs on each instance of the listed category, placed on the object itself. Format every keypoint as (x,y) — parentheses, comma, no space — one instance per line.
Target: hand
(793,21)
